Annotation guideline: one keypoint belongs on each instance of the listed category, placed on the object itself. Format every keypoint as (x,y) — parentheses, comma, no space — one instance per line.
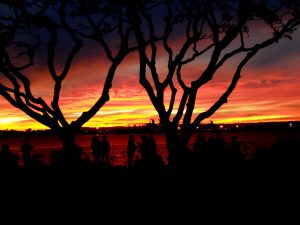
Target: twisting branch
(167,31)
(57,79)
(51,52)
(98,35)
(197,54)
(30,109)
(152,62)
(122,52)
(184,97)
(78,42)
(17,93)
(223,99)
(51,55)
(172,100)
(31,100)
(135,20)
(212,22)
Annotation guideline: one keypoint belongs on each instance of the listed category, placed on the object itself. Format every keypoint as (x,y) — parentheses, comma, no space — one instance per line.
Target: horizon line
(143,124)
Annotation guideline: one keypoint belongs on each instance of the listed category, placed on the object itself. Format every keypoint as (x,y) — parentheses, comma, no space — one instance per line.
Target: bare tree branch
(167,32)
(172,100)
(223,98)
(181,107)
(17,101)
(26,84)
(197,54)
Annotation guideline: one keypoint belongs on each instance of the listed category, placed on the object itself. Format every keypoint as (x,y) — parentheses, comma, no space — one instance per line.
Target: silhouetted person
(284,154)
(220,142)
(8,161)
(235,151)
(150,163)
(219,148)
(26,150)
(105,148)
(200,149)
(95,146)
(131,147)
(210,149)
(143,147)
(152,145)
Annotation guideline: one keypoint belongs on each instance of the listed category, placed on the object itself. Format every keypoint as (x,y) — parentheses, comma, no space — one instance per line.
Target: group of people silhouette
(100,149)
(9,161)
(143,159)
(148,159)
(139,154)
(215,149)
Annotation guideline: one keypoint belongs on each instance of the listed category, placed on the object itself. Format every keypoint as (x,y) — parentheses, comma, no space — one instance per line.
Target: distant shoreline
(253,127)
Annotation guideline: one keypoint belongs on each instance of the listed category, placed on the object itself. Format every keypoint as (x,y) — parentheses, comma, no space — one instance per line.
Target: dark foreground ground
(206,186)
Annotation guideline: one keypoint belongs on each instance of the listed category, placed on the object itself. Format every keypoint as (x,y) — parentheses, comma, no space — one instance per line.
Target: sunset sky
(267,91)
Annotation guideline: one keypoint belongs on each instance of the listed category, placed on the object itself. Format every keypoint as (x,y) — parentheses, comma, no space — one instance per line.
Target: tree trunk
(68,160)
(70,148)
(67,137)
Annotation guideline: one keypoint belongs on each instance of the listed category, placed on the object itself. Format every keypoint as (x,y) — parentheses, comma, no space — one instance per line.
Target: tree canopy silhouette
(217,30)
(29,27)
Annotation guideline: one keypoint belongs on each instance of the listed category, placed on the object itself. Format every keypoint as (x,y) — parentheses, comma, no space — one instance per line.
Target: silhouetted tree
(189,30)
(51,26)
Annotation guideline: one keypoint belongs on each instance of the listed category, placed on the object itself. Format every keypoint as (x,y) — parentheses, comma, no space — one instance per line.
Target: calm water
(118,143)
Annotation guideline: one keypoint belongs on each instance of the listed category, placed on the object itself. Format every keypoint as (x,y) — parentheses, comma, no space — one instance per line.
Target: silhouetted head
(131,138)
(234,138)
(95,138)
(144,138)
(104,137)
(219,135)
(200,137)
(5,149)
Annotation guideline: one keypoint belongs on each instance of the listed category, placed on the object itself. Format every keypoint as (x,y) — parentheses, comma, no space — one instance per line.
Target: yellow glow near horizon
(23,123)
(255,119)
(9,120)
